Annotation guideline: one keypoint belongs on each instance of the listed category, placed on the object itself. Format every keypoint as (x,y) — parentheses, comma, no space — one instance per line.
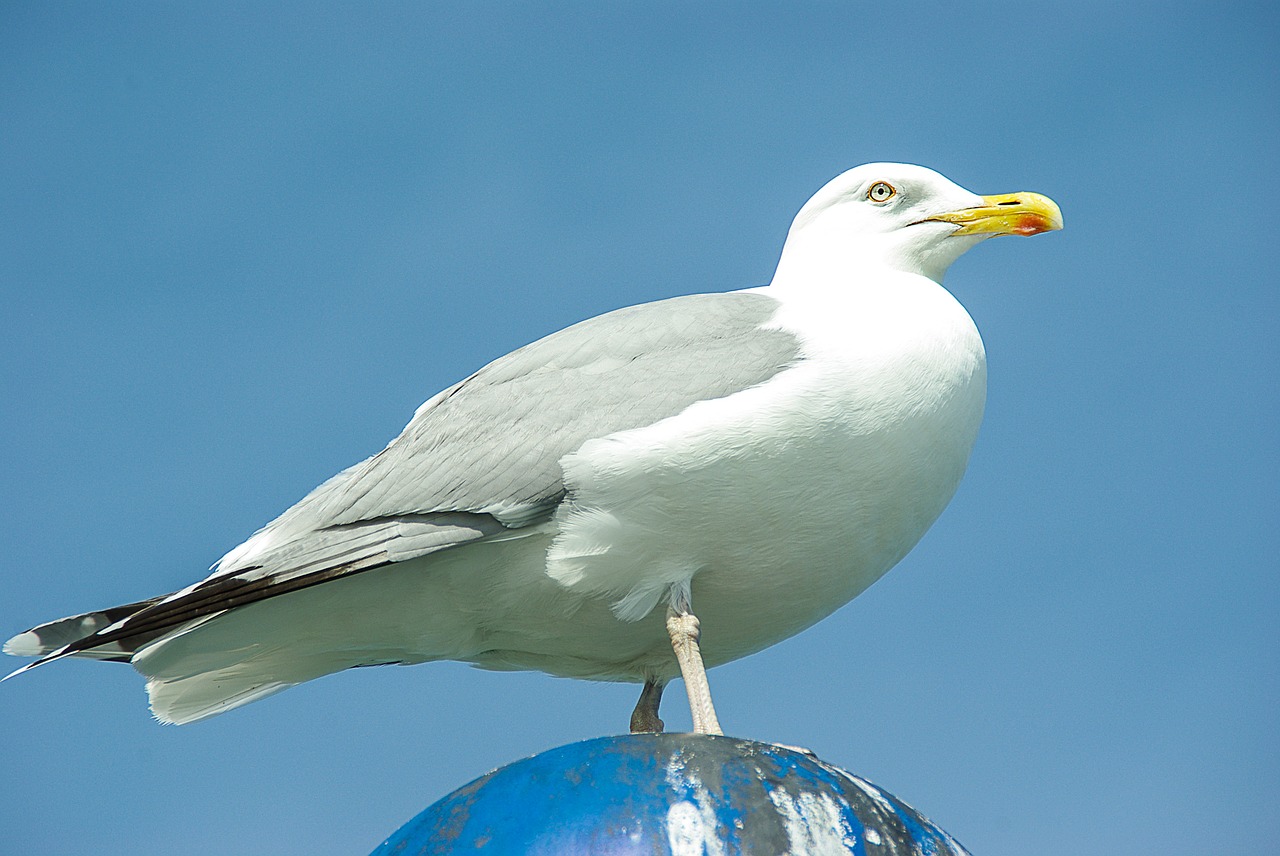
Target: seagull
(652,491)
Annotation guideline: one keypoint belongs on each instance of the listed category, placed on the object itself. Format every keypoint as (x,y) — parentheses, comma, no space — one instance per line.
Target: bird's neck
(826,267)
(821,255)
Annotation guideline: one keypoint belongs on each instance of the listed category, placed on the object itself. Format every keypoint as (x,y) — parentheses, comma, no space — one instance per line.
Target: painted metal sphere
(679,794)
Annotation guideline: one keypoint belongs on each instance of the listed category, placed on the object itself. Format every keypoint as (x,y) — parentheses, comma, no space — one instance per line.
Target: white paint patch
(871,791)
(685,833)
(872,836)
(814,823)
(701,810)
(955,845)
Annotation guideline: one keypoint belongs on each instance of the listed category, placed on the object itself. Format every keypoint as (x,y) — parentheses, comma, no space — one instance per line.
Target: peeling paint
(686,833)
(677,794)
(814,824)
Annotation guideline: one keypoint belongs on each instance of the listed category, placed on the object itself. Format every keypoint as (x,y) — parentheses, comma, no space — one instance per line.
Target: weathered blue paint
(677,794)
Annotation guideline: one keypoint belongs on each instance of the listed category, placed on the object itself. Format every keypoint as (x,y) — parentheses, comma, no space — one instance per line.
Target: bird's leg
(644,719)
(682,626)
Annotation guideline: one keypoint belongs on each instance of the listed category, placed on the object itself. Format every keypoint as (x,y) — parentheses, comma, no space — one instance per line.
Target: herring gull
(701,477)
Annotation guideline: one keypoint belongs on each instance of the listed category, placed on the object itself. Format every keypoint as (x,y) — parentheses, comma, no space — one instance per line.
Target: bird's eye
(881,192)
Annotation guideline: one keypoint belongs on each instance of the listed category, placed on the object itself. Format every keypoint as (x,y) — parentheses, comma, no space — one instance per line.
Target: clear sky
(239,246)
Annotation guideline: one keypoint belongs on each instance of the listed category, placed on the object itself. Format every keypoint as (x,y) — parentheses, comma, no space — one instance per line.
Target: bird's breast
(781,502)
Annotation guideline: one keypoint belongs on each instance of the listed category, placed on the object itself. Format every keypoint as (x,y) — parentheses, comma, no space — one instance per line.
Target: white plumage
(758,458)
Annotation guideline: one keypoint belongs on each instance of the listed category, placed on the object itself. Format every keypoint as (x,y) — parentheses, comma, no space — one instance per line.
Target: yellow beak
(1006,214)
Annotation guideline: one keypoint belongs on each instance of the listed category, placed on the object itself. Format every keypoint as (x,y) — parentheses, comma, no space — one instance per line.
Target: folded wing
(477,461)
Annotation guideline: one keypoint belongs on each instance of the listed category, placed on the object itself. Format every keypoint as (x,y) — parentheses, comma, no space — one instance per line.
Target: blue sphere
(679,794)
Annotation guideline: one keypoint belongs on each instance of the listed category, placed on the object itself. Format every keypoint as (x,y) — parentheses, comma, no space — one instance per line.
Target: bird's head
(907,218)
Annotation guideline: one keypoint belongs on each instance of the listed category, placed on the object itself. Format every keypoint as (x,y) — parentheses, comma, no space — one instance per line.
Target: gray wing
(492,444)
(483,457)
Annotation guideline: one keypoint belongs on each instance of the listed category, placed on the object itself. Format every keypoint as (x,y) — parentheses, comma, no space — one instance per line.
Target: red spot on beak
(1032,224)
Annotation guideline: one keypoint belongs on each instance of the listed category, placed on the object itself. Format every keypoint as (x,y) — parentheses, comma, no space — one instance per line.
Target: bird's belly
(775,506)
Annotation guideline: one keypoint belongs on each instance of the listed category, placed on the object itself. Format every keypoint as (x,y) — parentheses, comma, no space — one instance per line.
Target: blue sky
(238,247)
